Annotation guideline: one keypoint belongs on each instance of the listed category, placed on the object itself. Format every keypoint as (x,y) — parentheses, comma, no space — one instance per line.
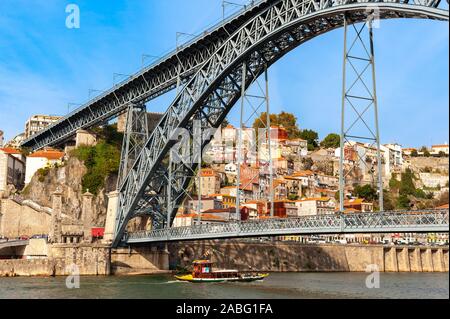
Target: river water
(277,285)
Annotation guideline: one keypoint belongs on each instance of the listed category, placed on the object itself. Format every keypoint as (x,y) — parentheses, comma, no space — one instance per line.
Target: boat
(204,272)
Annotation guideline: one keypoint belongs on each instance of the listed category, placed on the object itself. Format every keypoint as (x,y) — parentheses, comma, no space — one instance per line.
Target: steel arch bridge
(218,84)
(215,69)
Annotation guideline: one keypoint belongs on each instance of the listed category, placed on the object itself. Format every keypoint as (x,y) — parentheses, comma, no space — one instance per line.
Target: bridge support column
(55,226)
(113,201)
(416,263)
(87,216)
(359,95)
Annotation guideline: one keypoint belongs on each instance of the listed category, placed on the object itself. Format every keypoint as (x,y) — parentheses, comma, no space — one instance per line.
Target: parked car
(24,237)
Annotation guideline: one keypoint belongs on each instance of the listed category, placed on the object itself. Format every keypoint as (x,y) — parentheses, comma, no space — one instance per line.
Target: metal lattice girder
(136,134)
(216,87)
(359,98)
(384,222)
(148,83)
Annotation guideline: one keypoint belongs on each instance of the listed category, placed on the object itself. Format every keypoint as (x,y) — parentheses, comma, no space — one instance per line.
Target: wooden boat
(203,272)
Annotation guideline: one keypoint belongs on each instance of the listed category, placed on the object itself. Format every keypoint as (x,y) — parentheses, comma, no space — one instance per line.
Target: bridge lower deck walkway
(436,221)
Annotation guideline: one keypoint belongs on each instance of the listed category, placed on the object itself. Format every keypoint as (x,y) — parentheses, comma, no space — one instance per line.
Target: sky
(44,65)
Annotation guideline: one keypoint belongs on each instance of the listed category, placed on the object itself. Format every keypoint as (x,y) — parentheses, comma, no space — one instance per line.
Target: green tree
(287,120)
(332,140)
(388,201)
(403,202)
(414,153)
(312,137)
(366,191)
(407,183)
(225,123)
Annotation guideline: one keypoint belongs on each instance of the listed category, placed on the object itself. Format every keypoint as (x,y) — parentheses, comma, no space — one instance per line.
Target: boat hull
(190,278)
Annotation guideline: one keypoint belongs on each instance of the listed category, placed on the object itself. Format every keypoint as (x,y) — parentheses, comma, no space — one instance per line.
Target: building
(393,158)
(206,203)
(293,187)
(12,169)
(362,159)
(41,159)
(357,205)
(257,208)
(282,208)
(16,141)
(437,149)
(315,206)
(210,181)
(408,151)
(2,138)
(37,123)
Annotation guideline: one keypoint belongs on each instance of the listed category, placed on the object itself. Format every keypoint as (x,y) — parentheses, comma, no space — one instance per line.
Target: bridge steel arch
(216,87)
(149,83)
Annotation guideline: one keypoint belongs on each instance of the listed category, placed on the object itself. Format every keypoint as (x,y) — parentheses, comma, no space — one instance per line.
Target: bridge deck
(13,243)
(386,222)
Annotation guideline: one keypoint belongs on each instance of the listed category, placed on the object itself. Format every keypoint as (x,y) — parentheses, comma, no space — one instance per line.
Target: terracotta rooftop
(51,155)
(10,150)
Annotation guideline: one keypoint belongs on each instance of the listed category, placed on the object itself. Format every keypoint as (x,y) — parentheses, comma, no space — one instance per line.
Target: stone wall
(90,260)
(17,220)
(284,257)
(139,260)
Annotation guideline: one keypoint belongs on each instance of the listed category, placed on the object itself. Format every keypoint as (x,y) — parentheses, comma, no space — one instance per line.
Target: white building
(37,123)
(2,138)
(436,149)
(16,141)
(315,206)
(12,169)
(393,158)
(41,159)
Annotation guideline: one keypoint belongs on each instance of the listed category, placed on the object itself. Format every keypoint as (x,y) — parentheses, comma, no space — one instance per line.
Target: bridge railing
(410,221)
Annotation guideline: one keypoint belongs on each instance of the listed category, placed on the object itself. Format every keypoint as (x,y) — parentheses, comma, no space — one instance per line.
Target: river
(277,285)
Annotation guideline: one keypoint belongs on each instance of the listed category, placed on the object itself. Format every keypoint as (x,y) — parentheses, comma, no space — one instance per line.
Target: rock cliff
(68,177)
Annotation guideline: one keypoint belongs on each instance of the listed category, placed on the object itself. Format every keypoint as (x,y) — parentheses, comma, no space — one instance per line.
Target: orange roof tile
(10,150)
(51,155)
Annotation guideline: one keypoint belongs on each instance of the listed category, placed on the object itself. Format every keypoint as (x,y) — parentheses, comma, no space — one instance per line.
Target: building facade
(41,159)
(37,123)
(12,169)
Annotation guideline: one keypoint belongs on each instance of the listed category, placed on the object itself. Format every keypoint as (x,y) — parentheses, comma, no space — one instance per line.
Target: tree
(287,120)
(388,201)
(442,154)
(367,192)
(225,123)
(312,137)
(407,183)
(425,151)
(307,163)
(414,153)
(332,140)
(403,202)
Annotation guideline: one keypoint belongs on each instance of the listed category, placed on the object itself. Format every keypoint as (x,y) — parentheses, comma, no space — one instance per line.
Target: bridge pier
(113,200)
(140,260)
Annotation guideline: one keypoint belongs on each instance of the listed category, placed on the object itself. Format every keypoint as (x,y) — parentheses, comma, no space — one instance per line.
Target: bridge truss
(380,222)
(210,94)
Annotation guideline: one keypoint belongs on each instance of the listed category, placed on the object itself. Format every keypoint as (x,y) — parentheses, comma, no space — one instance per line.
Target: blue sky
(44,66)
